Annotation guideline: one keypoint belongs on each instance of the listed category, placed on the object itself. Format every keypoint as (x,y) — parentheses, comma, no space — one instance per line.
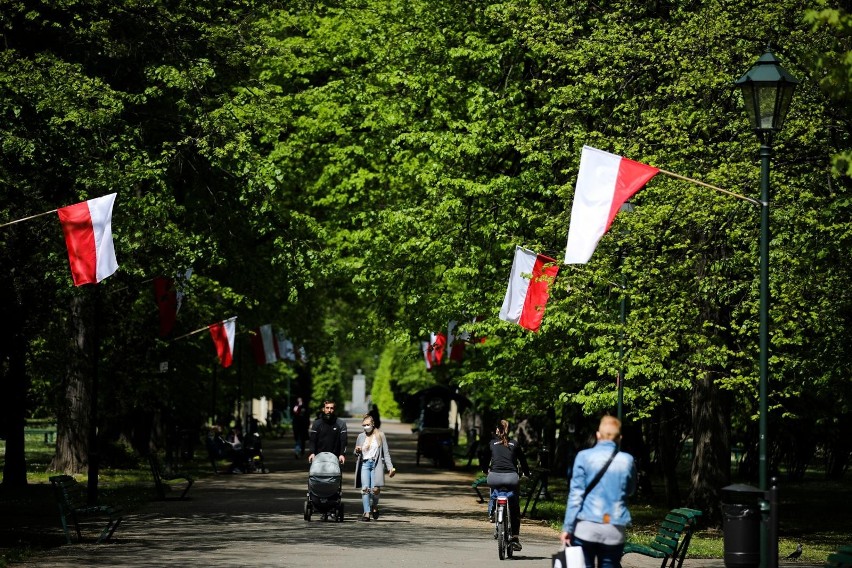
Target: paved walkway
(429,517)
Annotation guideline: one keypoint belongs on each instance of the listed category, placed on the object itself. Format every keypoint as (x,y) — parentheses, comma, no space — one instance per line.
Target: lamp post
(626,207)
(767,90)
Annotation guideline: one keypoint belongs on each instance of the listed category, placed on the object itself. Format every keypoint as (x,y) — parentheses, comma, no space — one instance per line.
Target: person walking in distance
(596,514)
(371,447)
(506,454)
(301,425)
(328,434)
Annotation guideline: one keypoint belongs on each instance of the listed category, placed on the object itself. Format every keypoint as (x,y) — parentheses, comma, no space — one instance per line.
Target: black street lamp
(767,90)
(626,207)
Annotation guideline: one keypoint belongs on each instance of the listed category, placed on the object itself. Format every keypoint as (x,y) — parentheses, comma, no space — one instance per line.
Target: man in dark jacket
(328,434)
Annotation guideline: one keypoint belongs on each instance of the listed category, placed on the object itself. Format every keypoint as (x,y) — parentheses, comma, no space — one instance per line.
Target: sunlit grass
(811,514)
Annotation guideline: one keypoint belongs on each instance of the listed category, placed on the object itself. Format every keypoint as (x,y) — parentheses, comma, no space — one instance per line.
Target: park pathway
(430,517)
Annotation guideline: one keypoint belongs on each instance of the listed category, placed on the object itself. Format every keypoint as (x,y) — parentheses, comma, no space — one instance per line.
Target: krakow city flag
(88,235)
(604,183)
(528,291)
(223,338)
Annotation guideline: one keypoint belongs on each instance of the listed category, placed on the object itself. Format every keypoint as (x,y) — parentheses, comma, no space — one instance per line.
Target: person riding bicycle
(503,473)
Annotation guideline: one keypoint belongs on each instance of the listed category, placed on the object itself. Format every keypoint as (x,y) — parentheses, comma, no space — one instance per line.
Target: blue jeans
(369,498)
(607,555)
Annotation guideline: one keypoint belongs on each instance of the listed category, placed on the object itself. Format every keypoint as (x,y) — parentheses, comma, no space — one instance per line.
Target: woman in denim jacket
(598,521)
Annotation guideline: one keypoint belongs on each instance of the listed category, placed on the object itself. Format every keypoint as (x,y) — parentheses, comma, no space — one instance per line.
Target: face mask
(368,429)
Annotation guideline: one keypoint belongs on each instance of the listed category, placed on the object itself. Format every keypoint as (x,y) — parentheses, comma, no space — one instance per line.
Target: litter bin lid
(741,493)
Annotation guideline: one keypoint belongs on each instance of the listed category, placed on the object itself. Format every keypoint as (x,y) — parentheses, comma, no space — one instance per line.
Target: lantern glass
(767,90)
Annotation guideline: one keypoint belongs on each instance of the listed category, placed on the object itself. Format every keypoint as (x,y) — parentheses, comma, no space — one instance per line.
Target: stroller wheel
(340,513)
(308,510)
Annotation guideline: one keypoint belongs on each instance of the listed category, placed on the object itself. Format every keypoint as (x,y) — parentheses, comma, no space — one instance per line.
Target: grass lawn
(813,512)
(29,518)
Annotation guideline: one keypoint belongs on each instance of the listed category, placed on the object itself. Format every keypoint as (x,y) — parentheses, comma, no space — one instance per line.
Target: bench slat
(642,549)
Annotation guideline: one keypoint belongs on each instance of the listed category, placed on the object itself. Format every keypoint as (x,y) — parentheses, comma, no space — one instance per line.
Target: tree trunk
(711,466)
(72,420)
(668,447)
(839,448)
(14,385)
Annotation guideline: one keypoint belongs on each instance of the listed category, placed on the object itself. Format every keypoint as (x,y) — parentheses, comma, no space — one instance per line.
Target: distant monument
(358,404)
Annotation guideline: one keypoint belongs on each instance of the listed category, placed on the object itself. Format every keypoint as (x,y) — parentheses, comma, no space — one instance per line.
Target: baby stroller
(254,454)
(325,485)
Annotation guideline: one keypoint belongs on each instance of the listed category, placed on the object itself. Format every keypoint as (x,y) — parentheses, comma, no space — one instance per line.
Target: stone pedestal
(358,405)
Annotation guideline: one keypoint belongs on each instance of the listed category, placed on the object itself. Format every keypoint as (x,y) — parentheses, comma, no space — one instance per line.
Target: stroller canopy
(324,479)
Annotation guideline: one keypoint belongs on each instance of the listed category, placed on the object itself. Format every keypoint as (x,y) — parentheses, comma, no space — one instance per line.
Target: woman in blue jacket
(596,514)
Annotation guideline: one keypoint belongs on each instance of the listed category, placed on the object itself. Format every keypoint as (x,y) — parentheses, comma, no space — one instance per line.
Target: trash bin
(741,525)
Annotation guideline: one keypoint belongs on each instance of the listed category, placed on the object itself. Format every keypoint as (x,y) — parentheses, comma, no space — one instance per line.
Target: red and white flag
(437,347)
(529,288)
(426,347)
(88,235)
(168,295)
(223,338)
(264,346)
(604,183)
(456,341)
(433,350)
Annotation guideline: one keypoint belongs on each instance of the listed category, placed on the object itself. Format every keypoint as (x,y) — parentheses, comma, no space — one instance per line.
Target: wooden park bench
(840,559)
(49,433)
(71,498)
(165,482)
(672,539)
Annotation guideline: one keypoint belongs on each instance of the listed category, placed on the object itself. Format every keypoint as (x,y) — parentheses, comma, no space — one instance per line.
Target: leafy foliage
(359,172)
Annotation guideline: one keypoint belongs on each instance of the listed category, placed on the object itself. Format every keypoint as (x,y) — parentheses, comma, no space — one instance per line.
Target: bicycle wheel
(502,537)
(508,531)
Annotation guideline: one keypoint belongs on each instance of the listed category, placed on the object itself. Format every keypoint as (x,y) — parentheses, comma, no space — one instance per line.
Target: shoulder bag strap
(597,477)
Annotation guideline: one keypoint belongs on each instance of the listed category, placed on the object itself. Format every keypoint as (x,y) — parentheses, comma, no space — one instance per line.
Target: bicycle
(503,522)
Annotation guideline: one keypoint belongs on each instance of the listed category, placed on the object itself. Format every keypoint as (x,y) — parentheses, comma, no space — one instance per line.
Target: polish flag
(426,347)
(604,183)
(433,350)
(223,338)
(88,235)
(263,345)
(456,341)
(528,291)
(437,347)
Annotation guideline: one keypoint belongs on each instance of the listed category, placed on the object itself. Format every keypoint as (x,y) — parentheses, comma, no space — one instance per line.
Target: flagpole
(28,218)
(200,329)
(94,450)
(695,181)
